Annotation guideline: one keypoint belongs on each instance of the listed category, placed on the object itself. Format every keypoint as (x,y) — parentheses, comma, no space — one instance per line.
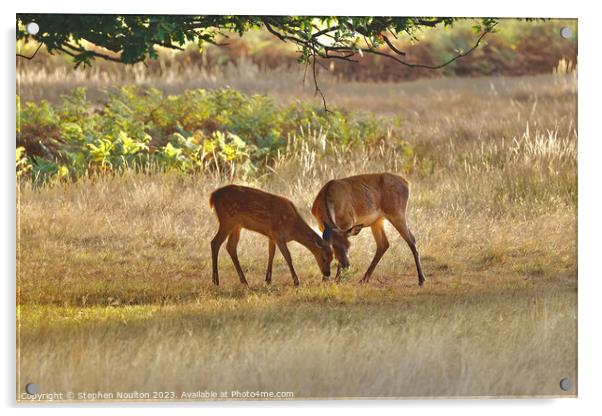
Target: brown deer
(344,206)
(275,217)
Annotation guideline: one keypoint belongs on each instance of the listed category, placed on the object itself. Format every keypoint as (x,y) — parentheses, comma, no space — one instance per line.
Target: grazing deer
(344,206)
(275,217)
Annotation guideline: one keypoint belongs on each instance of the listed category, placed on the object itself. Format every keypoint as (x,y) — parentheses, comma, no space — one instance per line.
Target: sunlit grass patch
(415,346)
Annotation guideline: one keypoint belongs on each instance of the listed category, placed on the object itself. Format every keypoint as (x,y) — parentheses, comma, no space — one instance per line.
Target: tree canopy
(134,38)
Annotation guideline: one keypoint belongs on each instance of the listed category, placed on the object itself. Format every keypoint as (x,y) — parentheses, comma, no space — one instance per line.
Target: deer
(276,217)
(343,207)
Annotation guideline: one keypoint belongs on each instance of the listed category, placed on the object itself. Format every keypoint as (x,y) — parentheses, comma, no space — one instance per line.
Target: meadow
(114,269)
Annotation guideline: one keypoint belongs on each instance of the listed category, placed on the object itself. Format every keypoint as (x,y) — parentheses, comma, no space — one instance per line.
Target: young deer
(275,217)
(344,206)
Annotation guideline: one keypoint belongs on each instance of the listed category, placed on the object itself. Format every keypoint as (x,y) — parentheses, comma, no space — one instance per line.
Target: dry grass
(507,342)
(114,272)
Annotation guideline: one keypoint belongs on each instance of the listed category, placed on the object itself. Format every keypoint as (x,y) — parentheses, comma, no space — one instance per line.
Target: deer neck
(306,236)
(328,213)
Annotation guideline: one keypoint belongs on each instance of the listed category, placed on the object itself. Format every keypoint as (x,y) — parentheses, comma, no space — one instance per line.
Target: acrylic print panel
(158,156)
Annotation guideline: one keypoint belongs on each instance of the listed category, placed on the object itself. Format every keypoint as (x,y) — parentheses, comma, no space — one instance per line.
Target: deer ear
(355,229)
(327,232)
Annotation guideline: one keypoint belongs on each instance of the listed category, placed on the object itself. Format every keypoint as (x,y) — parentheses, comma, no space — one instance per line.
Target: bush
(196,130)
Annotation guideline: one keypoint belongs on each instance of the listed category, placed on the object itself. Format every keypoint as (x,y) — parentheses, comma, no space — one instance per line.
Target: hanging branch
(34,54)
(318,90)
(346,53)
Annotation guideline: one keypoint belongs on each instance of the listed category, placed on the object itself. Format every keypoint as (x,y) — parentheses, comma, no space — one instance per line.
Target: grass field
(114,277)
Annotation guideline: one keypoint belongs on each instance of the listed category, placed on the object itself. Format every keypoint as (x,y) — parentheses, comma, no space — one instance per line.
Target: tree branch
(34,54)
(391,46)
(408,64)
(430,23)
(172,46)
(91,52)
(342,57)
(284,37)
(324,31)
(328,50)
(318,90)
(351,50)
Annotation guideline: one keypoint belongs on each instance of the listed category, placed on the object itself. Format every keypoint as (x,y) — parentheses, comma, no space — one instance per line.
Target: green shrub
(197,130)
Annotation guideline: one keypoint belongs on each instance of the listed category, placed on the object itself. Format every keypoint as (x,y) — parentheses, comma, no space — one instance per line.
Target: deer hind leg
(231,247)
(382,244)
(271,252)
(400,224)
(287,256)
(216,243)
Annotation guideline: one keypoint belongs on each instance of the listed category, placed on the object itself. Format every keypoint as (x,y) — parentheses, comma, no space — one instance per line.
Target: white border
(590,208)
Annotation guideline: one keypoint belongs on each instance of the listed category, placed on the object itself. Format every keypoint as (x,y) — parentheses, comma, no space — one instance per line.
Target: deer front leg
(271,252)
(287,256)
(337,278)
(382,244)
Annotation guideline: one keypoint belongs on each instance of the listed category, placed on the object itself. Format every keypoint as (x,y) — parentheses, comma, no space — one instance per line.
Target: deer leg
(216,243)
(400,224)
(382,244)
(287,256)
(231,247)
(337,278)
(271,252)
